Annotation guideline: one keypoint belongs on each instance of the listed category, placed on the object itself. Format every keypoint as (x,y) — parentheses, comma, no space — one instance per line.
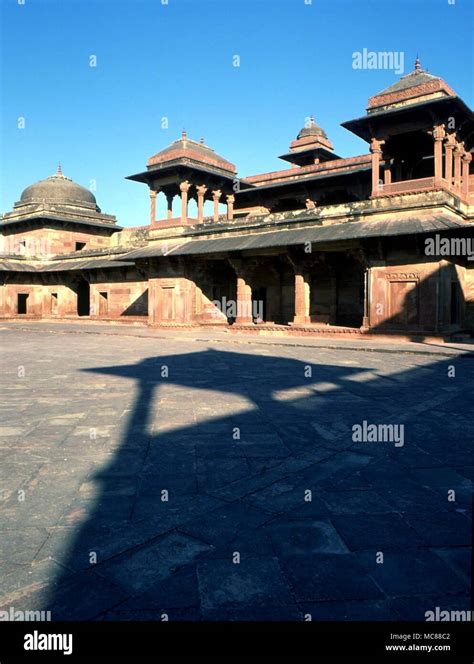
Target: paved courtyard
(145,477)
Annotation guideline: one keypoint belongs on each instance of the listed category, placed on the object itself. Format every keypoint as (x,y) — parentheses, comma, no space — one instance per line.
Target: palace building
(327,244)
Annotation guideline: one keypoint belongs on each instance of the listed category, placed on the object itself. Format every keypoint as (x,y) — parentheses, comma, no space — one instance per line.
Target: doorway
(403,303)
(54,304)
(103,303)
(83,298)
(168,302)
(455,308)
(22,303)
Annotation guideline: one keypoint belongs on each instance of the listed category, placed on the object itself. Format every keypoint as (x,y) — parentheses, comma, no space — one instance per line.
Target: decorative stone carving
(402,276)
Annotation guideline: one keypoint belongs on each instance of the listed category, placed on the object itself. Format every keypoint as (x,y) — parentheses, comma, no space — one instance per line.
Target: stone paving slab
(232,488)
(207,335)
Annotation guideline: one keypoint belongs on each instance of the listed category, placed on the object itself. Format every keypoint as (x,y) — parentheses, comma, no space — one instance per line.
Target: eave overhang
(300,182)
(428,112)
(9,265)
(24,219)
(316,233)
(294,156)
(171,172)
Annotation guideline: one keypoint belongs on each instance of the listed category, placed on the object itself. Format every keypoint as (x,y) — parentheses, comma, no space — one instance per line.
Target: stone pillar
(184,188)
(216,194)
(376,150)
(466,160)
(332,297)
(438,136)
(301,316)
(366,317)
(244,302)
(201,191)
(152,207)
(448,166)
(230,206)
(458,149)
(387,173)
(169,206)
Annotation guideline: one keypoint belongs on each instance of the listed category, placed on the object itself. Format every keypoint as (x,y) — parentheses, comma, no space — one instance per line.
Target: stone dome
(186,148)
(415,87)
(60,190)
(311,129)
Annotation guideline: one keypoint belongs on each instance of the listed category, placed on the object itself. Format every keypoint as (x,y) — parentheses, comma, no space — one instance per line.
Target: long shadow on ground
(273,512)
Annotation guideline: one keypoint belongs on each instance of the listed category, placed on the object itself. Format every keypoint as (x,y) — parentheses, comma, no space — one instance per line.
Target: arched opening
(192,209)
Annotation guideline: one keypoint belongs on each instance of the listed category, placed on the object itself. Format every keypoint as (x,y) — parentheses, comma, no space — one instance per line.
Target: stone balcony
(402,199)
(422,185)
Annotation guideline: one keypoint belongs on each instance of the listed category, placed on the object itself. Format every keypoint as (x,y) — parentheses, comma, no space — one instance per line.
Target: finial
(417,64)
(311,119)
(183,133)
(201,140)
(59,170)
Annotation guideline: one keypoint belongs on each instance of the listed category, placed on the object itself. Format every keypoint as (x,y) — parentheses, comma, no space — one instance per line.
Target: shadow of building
(238,492)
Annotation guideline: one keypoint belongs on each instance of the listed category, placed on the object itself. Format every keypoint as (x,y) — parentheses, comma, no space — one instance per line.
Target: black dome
(58,189)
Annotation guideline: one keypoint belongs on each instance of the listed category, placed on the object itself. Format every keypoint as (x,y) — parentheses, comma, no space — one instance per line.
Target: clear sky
(175,59)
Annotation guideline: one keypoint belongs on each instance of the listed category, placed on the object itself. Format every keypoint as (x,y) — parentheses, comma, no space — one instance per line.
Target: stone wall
(53,300)
(466,279)
(51,241)
(171,300)
(414,297)
(119,297)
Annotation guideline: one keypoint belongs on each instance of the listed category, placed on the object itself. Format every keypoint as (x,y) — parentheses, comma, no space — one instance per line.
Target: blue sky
(175,60)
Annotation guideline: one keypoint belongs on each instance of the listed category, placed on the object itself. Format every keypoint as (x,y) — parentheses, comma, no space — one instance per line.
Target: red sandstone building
(380,242)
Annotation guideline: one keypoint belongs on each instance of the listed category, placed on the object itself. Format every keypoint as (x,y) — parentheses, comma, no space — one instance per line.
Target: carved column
(169,206)
(366,316)
(216,195)
(458,150)
(376,150)
(387,172)
(466,160)
(448,168)
(438,136)
(152,207)
(302,294)
(201,191)
(244,293)
(184,188)
(230,206)
(244,302)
